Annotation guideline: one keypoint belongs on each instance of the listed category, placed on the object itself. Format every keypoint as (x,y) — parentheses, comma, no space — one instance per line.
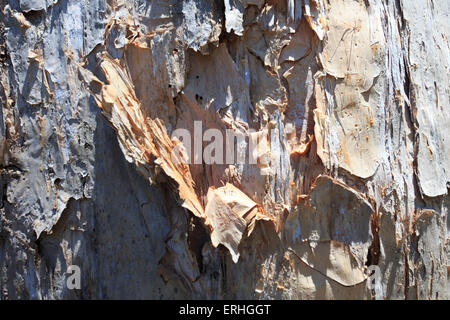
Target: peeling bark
(355,173)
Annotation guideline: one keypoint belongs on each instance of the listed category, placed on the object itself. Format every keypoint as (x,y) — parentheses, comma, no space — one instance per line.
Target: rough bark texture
(359,174)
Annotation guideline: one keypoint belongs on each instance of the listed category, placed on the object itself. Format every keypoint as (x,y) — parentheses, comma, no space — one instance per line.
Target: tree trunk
(111,111)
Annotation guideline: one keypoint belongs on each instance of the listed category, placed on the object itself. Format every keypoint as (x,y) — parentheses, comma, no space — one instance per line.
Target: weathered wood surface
(358,174)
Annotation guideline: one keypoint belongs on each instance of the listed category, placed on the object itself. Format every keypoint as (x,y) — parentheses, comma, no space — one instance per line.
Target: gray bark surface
(359,174)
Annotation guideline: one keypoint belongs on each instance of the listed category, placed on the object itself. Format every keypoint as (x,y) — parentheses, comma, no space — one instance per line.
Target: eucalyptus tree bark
(354,176)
